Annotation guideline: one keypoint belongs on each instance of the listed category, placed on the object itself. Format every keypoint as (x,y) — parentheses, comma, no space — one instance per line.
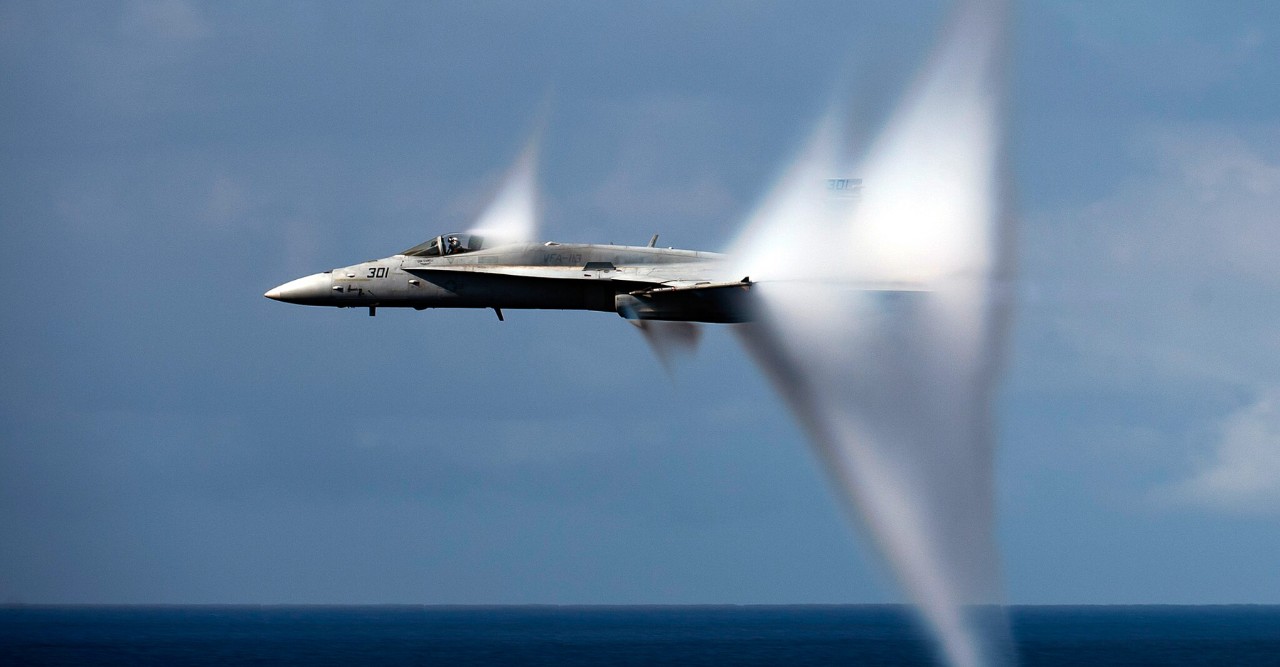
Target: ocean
(863,635)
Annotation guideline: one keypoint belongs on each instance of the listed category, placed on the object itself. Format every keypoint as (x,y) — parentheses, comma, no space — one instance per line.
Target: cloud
(1208,206)
(1243,473)
(1164,293)
(1171,271)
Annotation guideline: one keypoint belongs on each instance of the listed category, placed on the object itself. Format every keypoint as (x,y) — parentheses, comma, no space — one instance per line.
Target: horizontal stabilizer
(699,302)
(743,284)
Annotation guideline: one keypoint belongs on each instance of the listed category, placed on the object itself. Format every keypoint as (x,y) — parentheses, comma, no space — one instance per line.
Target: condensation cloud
(882,315)
(512,215)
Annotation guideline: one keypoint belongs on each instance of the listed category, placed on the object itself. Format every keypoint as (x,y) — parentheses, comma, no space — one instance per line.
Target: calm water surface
(764,635)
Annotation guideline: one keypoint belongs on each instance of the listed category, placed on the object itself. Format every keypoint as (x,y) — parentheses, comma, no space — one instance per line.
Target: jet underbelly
(465,289)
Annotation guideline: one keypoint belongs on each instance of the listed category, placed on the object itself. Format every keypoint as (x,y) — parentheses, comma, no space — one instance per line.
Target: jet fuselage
(562,276)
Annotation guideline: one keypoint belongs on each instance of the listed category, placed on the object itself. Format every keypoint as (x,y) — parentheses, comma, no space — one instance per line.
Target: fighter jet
(467,270)
(883,332)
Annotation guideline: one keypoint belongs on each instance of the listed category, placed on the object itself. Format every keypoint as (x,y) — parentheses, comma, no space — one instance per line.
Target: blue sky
(168,435)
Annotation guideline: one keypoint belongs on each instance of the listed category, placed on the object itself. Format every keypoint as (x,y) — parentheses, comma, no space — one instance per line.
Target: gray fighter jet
(462,270)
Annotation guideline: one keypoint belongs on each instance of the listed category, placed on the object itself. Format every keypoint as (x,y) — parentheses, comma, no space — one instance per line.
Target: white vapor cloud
(512,215)
(881,323)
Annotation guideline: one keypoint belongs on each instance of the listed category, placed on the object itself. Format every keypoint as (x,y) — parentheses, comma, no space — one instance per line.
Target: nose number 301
(377,272)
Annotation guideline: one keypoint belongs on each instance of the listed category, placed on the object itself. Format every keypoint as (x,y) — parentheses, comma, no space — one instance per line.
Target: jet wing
(671,275)
(673,292)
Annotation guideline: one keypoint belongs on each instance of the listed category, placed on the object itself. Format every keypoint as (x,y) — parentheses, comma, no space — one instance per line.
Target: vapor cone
(881,319)
(512,216)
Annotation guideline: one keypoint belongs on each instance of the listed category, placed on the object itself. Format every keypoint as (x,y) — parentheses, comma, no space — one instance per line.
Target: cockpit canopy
(447,244)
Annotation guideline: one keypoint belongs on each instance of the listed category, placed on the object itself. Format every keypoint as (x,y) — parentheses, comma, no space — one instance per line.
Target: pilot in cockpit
(448,244)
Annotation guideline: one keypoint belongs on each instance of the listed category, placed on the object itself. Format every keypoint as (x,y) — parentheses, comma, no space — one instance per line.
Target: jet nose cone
(312,289)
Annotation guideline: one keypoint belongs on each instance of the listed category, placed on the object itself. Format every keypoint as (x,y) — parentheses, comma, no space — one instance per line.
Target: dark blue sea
(750,635)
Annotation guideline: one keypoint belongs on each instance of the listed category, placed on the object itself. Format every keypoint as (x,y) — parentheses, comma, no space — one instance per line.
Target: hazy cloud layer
(1171,278)
(1243,471)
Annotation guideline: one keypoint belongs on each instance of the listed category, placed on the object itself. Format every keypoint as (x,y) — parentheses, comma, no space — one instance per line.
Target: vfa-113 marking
(463,270)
